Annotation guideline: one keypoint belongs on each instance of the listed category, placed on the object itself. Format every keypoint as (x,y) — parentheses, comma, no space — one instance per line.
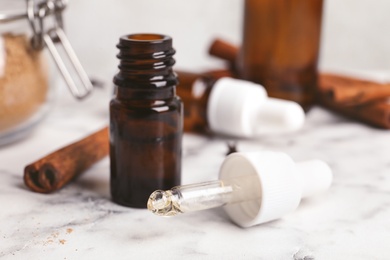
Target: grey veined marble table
(351,221)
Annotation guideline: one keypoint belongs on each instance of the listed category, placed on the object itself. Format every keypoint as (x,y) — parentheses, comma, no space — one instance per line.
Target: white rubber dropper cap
(281,184)
(242,108)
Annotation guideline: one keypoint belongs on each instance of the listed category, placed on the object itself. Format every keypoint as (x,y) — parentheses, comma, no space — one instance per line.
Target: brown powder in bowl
(24,83)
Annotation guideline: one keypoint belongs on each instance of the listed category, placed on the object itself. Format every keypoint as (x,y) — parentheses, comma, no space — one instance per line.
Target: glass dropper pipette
(253,188)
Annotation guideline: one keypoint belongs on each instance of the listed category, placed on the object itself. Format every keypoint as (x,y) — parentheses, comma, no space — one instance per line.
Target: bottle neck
(145,67)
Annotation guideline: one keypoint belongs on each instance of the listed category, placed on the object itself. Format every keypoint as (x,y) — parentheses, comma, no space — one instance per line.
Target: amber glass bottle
(280,47)
(145,120)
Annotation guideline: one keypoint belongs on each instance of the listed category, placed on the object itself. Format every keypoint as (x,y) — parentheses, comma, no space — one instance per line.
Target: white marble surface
(351,221)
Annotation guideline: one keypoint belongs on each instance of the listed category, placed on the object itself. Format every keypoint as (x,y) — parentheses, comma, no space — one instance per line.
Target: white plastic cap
(242,108)
(280,186)
(316,177)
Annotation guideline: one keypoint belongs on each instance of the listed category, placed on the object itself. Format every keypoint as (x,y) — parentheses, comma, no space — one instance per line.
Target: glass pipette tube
(205,195)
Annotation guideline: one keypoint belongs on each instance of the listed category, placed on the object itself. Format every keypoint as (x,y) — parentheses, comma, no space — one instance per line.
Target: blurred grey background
(355,33)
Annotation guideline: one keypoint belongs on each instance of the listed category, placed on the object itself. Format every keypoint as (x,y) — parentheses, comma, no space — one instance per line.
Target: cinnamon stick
(55,170)
(348,91)
(376,113)
(224,50)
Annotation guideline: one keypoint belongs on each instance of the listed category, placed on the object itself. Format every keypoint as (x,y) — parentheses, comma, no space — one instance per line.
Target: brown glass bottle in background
(280,47)
(145,120)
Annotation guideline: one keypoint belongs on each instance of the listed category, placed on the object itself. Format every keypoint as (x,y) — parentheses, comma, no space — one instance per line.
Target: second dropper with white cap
(254,188)
(242,108)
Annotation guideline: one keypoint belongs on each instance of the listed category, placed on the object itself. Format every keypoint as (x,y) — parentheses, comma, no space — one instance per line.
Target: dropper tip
(157,200)
(160,203)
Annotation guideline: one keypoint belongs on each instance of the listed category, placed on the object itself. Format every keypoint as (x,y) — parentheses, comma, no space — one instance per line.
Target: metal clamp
(37,15)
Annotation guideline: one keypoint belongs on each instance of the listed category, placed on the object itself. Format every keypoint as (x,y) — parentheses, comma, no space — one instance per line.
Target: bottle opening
(145,43)
(147,37)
